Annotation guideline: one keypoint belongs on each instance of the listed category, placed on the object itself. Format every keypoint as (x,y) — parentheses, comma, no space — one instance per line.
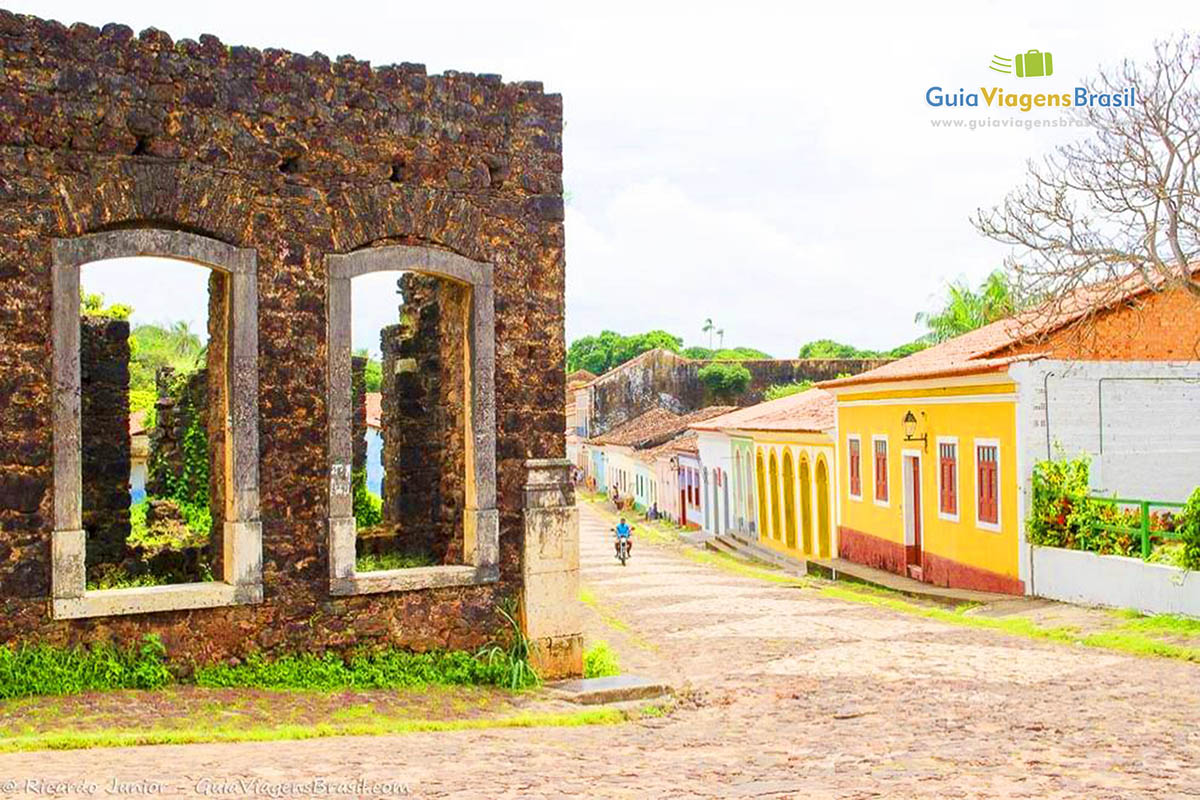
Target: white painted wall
(1151,430)
(1139,421)
(1075,576)
(715,453)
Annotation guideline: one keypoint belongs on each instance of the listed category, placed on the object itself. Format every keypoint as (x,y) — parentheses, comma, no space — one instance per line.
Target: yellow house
(793,493)
(936,450)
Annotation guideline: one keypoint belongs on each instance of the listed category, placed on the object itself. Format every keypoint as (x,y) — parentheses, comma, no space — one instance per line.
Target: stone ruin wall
(104,425)
(423,415)
(660,379)
(294,157)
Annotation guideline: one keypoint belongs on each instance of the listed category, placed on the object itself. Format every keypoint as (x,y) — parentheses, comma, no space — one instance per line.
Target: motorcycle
(623,545)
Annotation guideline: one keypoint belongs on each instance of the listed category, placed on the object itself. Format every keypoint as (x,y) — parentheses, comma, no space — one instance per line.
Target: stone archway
(789,500)
(824,525)
(480,518)
(241,534)
(806,505)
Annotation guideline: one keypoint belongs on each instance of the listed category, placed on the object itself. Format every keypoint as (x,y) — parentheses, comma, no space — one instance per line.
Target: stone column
(358,413)
(550,569)
(104,416)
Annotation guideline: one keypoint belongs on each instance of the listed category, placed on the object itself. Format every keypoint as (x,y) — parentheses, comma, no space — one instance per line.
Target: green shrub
(376,562)
(1188,526)
(368,506)
(599,661)
(43,669)
(1060,509)
(725,379)
(778,390)
(386,669)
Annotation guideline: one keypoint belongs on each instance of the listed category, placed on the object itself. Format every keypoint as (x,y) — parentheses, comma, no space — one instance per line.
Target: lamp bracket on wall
(910,431)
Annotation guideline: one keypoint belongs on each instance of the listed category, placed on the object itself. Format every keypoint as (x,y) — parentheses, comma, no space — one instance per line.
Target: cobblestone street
(784,693)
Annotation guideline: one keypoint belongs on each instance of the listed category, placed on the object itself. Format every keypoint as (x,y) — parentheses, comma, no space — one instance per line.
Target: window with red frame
(986,459)
(948,477)
(855,449)
(881,470)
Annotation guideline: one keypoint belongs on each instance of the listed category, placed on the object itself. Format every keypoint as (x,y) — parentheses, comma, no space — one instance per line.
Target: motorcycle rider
(623,531)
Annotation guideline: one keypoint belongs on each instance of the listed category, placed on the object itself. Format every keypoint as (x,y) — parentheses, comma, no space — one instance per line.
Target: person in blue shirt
(623,532)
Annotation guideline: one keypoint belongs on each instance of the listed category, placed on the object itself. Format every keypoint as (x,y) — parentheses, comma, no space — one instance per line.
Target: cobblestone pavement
(785,694)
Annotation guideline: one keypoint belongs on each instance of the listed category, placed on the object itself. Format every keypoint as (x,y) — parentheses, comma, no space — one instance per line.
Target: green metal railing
(1143,528)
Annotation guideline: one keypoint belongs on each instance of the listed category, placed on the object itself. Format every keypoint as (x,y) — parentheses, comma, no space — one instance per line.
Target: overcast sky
(770,166)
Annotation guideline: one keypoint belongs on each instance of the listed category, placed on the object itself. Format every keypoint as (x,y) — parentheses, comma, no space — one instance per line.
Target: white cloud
(768,164)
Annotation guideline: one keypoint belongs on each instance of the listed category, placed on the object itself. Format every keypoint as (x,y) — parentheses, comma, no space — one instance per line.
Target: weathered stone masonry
(291,158)
(104,409)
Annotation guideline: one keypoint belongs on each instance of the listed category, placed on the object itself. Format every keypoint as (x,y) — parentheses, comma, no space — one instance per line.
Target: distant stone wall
(104,424)
(358,411)
(661,379)
(423,417)
(181,400)
(769,372)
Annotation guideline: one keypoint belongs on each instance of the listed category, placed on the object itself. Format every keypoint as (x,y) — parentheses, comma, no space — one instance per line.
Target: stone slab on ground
(613,689)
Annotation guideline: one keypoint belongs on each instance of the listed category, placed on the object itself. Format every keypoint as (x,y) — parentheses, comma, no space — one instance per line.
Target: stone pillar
(105,445)
(358,413)
(212,386)
(550,569)
(423,408)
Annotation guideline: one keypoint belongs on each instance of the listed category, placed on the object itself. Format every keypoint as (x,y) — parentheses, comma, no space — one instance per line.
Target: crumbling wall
(358,413)
(423,406)
(662,379)
(104,426)
(182,402)
(295,157)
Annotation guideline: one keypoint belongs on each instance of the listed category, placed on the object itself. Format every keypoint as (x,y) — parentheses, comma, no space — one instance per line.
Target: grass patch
(388,669)
(130,737)
(599,661)
(1161,623)
(379,562)
(1120,640)
(42,669)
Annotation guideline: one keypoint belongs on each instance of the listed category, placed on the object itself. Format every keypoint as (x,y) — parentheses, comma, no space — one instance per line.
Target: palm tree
(966,309)
(708,328)
(721,338)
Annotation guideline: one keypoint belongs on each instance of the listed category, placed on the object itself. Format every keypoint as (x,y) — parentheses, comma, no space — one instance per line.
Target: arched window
(789,499)
(761,473)
(806,505)
(823,521)
(775,529)
(471,303)
(231,394)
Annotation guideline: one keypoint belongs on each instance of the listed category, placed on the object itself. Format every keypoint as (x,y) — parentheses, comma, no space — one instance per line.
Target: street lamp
(910,431)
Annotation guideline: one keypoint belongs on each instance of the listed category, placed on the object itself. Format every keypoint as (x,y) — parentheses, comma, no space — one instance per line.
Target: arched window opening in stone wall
(156,483)
(408,383)
(412,420)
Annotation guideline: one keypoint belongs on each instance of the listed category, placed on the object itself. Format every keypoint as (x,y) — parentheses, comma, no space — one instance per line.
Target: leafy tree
(154,346)
(966,309)
(698,353)
(373,374)
(828,348)
(598,354)
(92,305)
(907,349)
(725,380)
(778,390)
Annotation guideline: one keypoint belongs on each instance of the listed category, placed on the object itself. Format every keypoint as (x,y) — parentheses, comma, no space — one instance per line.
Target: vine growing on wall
(368,506)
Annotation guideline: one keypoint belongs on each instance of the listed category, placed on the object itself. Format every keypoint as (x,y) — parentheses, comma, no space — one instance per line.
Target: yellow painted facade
(965,412)
(796,476)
